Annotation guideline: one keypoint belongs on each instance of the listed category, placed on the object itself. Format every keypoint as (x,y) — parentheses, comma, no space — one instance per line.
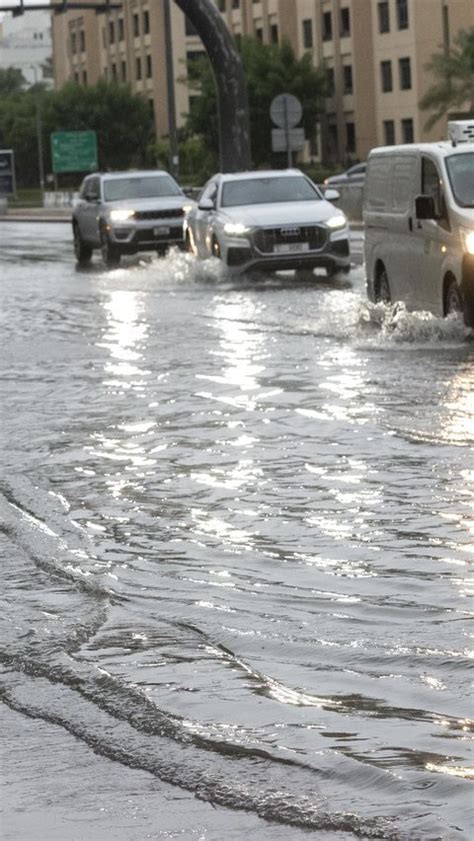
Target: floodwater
(237,523)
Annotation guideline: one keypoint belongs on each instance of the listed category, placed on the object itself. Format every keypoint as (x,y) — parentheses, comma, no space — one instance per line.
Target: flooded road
(237,524)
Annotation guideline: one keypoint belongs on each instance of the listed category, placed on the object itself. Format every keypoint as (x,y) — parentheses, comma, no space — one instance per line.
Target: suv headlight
(338,221)
(236,229)
(467,238)
(121,215)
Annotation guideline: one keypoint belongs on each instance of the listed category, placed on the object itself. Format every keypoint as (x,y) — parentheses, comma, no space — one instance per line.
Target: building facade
(375,53)
(25,44)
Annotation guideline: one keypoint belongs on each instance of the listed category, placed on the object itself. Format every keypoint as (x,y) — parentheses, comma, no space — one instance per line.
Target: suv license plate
(290,247)
(162,231)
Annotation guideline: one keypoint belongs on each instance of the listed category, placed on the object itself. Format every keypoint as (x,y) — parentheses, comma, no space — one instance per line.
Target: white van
(419,224)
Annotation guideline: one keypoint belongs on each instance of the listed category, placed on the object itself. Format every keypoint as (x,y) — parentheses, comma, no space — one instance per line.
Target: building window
(407,131)
(236,4)
(330,86)
(114,72)
(389,132)
(82,41)
(350,137)
(138,68)
(189,27)
(333,141)
(238,39)
(386,76)
(146,23)
(259,34)
(73,43)
(274,33)
(221,5)
(124,71)
(84,77)
(347,78)
(402,13)
(76,78)
(111,32)
(136,26)
(404,68)
(384,16)
(148,67)
(121,32)
(345,23)
(327,26)
(308,34)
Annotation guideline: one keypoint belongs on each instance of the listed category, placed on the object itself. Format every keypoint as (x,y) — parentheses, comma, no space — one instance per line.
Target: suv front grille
(266,238)
(160,214)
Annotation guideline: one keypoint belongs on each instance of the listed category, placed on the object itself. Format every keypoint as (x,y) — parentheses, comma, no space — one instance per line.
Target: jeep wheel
(453,302)
(82,251)
(110,254)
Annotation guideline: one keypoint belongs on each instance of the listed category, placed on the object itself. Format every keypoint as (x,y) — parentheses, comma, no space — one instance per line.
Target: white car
(268,221)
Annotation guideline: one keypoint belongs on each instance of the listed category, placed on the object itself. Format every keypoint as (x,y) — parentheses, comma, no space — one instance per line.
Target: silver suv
(126,212)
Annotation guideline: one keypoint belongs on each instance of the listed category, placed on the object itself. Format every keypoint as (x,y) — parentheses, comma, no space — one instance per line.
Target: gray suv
(127,212)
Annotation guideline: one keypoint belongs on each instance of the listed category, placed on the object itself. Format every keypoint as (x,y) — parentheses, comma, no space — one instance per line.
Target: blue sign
(7,172)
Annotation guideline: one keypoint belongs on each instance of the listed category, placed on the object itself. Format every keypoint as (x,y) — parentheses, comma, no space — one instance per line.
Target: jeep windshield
(268,191)
(135,187)
(461,176)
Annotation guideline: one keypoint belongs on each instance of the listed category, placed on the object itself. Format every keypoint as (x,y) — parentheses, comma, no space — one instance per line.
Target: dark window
(430,183)
(121,31)
(238,39)
(111,32)
(308,34)
(332,139)
(405,73)
(84,77)
(446,37)
(136,26)
(347,78)
(124,71)
(189,27)
(138,68)
(327,26)
(350,137)
(194,55)
(386,76)
(384,16)
(73,42)
(76,78)
(259,34)
(146,22)
(149,68)
(330,81)
(345,23)
(221,5)
(389,132)
(407,131)
(402,13)
(82,40)
(274,33)
(113,68)
(236,4)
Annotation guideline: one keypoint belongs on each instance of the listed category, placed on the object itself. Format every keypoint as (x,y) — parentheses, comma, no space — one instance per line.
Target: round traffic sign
(286,110)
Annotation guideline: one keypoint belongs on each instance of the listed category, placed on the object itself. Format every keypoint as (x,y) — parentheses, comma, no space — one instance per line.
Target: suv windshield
(461,175)
(268,190)
(135,187)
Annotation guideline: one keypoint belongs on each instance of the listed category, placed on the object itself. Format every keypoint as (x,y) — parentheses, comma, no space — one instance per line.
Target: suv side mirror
(92,196)
(330,194)
(206,204)
(425,207)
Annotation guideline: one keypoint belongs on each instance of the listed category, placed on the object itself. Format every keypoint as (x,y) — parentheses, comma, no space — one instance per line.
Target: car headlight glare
(236,229)
(338,221)
(121,215)
(468,238)
(187,208)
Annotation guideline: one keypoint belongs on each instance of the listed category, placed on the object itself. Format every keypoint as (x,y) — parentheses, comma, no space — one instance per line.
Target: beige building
(375,52)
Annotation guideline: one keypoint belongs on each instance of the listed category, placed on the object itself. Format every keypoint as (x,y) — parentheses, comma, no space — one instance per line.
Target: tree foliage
(270,70)
(453,71)
(11,81)
(122,120)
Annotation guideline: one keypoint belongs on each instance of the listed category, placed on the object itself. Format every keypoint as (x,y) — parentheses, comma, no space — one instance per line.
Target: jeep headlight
(335,222)
(468,241)
(236,229)
(121,215)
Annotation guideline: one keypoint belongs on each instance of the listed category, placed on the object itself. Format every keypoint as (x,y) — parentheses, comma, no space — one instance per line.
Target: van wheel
(82,251)
(453,302)
(382,288)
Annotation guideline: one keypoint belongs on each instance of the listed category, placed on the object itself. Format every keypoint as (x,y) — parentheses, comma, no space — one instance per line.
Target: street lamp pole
(39,137)
(173,138)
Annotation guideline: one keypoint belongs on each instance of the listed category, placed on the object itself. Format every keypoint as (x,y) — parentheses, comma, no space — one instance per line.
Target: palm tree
(454,74)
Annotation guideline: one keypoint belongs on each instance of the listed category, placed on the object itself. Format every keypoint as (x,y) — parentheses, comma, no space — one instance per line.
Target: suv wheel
(110,254)
(82,251)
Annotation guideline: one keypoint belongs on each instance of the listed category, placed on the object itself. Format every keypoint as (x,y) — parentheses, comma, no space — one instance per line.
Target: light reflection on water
(277,522)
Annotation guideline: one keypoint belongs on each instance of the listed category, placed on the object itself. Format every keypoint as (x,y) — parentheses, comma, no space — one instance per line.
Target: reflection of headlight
(121,215)
(468,241)
(236,229)
(338,221)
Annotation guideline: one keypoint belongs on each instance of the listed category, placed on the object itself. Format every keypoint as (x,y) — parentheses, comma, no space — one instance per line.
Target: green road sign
(74,151)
